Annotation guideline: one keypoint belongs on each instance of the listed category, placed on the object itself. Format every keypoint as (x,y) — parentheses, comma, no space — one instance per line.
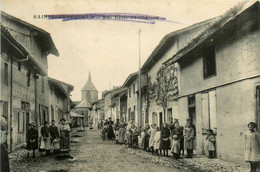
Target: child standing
(175,149)
(252,147)
(157,141)
(188,134)
(146,137)
(211,143)
(151,139)
(165,140)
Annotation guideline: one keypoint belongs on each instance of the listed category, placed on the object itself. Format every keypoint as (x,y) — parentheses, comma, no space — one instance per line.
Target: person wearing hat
(4,150)
(31,139)
(64,135)
(45,139)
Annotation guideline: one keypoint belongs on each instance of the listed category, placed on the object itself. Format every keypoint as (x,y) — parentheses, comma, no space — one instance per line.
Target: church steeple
(89,85)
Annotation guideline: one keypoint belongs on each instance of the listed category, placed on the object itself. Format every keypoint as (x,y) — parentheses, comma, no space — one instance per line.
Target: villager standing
(128,131)
(178,130)
(210,143)
(45,139)
(116,129)
(151,132)
(110,131)
(171,124)
(55,141)
(122,131)
(188,134)
(165,139)
(4,150)
(175,148)
(252,147)
(146,137)
(32,139)
(157,141)
(64,136)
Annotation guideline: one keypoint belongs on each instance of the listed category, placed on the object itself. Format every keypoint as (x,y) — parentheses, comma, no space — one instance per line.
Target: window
(5,109)
(20,122)
(19,66)
(129,94)
(133,88)
(42,84)
(52,113)
(6,74)
(129,114)
(28,78)
(209,62)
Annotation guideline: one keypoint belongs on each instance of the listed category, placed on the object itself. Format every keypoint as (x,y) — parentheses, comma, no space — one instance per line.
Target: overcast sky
(109,49)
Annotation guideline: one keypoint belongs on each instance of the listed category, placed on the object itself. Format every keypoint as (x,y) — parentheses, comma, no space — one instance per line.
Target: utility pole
(139,74)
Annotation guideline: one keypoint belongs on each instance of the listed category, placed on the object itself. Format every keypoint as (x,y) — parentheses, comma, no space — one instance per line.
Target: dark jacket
(165,133)
(45,131)
(54,132)
(32,139)
(4,159)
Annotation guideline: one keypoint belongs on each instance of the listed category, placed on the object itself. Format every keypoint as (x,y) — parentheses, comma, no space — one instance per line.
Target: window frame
(206,56)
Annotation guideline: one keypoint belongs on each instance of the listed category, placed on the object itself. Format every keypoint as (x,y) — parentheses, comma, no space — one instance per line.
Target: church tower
(89,91)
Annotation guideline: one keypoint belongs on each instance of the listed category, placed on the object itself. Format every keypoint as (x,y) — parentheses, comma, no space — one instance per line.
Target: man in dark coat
(4,150)
(53,131)
(32,139)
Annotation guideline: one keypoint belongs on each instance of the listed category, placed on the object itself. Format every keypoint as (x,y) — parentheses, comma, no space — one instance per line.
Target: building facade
(23,77)
(220,80)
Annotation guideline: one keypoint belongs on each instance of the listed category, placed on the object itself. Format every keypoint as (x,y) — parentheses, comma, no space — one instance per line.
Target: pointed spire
(89,76)
(89,85)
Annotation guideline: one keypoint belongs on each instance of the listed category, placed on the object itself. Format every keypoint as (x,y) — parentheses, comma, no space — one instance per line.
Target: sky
(109,49)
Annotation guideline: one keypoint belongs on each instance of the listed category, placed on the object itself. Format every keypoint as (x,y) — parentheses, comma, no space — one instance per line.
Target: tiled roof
(212,28)
(84,104)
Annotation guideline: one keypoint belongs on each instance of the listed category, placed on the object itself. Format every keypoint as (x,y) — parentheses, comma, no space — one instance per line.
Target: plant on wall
(165,87)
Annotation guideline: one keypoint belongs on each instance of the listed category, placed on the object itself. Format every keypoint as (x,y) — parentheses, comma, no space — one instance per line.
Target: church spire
(89,85)
(89,76)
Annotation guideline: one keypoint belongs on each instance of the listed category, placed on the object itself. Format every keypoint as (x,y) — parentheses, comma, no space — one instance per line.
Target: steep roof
(45,39)
(130,79)
(84,104)
(89,84)
(212,29)
(168,41)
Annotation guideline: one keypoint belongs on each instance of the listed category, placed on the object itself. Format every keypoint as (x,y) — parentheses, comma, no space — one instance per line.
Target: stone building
(168,46)
(24,81)
(59,99)
(220,79)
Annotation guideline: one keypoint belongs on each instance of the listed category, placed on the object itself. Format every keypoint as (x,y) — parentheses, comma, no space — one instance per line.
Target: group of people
(51,138)
(171,137)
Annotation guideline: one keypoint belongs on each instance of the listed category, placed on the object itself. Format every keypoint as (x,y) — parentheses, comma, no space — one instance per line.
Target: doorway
(160,119)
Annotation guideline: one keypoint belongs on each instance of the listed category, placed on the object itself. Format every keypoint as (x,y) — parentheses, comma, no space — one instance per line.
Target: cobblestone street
(91,153)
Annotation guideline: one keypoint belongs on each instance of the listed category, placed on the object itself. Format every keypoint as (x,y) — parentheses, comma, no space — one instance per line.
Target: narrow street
(91,154)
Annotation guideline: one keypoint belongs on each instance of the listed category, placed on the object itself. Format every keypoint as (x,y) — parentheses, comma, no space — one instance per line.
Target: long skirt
(64,141)
(32,145)
(110,133)
(121,135)
(45,144)
(165,144)
(117,135)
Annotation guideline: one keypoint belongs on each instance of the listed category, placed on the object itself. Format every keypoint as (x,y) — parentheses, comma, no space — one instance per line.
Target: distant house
(24,86)
(220,79)
(132,85)
(168,46)
(59,99)
(97,111)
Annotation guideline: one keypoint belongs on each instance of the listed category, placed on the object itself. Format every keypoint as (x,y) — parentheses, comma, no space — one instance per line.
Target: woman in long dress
(32,139)
(122,131)
(45,139)
(64,135)
(188,134)
(252,147)
(151,132)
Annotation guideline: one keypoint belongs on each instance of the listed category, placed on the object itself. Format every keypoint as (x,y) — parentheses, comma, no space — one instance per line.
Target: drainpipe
(11,107)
